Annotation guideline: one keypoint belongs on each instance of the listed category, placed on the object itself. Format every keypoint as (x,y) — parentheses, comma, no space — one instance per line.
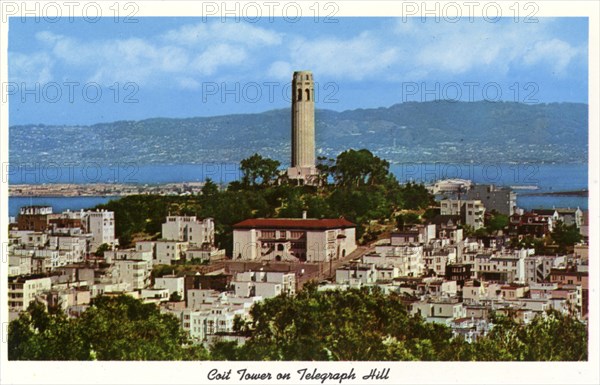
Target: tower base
(303,175)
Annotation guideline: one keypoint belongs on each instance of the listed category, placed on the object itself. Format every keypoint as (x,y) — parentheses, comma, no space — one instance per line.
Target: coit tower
(303,128)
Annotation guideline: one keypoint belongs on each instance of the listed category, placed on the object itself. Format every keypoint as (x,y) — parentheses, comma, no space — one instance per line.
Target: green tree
(407,219)
(549,337)
(124,328)
(38,335)
(120,328)
(175,297)
(357,324)
(496,222)
(325,168)
(360,167)
(415,196)
(565,236)
(101,249)
(210,189)
(257,170)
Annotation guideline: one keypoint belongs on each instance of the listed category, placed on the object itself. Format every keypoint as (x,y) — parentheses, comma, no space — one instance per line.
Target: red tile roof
(293,223)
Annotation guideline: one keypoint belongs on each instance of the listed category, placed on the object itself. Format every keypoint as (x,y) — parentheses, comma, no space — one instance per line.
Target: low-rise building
(408,259)
(172,284)
(502,267)
(190,229)
(23,290)
(443,311)
(472,212)
(264,284)
(311,240)
(356,274)
(135,272)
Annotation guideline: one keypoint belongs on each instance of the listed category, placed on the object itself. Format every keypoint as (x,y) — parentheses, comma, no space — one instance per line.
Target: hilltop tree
(407,219)
(357,168)
(210,189)
(257,170)
(415,196)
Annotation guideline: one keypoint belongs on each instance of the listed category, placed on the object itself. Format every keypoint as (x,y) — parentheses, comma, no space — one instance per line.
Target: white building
(356,275)
(172,283)
(132,254)
(439,311)
(264,284)
(502,267)
(189,229)
(24,289)
(164,252)
(539,267)
(408,259)
(135,272)
(209,312)
(154,295)
(471,211)
(101,224)
(311,240)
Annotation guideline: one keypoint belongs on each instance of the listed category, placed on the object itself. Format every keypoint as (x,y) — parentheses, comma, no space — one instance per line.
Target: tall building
(101,224)
(303,169)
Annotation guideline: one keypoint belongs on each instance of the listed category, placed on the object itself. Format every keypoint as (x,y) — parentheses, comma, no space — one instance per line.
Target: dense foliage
(565,236)
(357,186)
(120,328)
(357,324)
(366,324)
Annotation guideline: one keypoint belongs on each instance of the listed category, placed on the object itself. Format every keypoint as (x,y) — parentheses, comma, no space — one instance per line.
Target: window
(299,94)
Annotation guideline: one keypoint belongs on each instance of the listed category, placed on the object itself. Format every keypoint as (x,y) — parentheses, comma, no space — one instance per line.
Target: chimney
(303,214)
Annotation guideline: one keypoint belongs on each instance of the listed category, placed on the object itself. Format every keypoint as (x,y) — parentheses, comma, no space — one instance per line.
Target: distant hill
(409,132)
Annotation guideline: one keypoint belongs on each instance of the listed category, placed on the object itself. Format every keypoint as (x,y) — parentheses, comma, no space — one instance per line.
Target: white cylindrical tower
(303,119)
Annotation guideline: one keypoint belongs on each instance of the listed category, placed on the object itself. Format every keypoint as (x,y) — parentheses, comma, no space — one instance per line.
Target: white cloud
(30,69)
(396,51)
(280,70)
(210,33)
(442,48)
(556,53)
(187,83)
(218,56)
(361,57)
(185,52)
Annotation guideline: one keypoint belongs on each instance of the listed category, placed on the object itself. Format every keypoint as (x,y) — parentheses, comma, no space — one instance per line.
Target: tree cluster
(357,186)
(119,328)
(365,324)
(358,324)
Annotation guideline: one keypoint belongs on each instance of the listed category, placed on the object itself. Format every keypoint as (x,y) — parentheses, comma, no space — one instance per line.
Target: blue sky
(184,67)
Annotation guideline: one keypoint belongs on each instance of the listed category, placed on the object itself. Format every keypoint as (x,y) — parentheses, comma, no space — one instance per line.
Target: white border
(402,372)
